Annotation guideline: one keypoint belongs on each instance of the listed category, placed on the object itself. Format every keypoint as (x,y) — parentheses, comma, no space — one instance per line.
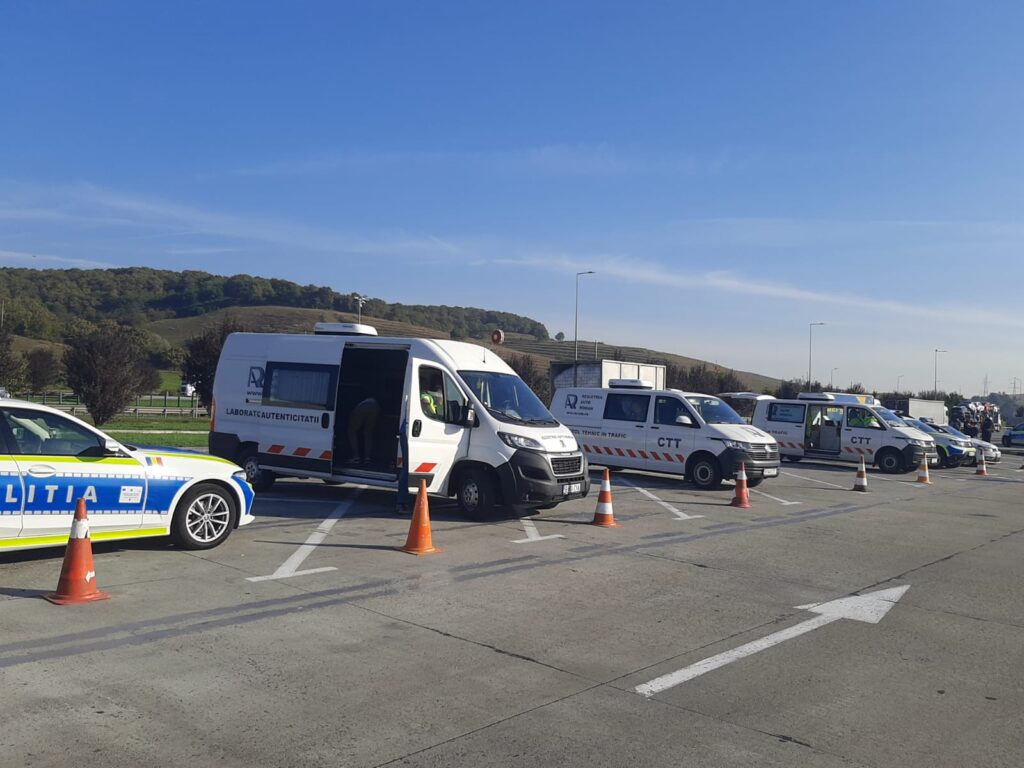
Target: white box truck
(929,410)
(345,405)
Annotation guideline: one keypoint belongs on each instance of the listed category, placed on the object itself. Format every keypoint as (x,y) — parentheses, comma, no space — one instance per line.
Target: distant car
(187,389)
(1014,436)
(49,460)
(4,392)
(953,450)
(992,453)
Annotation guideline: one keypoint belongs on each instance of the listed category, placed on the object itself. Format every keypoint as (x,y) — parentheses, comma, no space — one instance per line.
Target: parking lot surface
(693,634)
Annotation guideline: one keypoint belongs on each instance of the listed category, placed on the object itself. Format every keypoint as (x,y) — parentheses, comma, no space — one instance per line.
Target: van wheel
(259,479)
(891,462)
(706,474)
(203,518)
(475,494)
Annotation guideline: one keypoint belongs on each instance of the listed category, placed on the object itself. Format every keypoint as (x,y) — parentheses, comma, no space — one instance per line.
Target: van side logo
(256,376)
(570,401)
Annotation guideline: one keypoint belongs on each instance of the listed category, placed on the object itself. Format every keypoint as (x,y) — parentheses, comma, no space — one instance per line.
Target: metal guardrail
(157,405)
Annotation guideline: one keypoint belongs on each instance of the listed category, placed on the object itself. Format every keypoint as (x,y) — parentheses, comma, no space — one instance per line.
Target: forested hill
(38,303)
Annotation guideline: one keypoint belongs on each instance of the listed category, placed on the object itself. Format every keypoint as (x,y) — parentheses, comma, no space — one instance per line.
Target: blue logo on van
(570,401)
(256,377)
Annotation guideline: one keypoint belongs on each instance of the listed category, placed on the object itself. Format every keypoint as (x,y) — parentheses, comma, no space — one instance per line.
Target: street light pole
(576,329)
(810,347)
(935,387)
(360,300)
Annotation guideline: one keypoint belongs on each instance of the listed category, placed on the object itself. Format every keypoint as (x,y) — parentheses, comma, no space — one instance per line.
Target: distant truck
(928,410)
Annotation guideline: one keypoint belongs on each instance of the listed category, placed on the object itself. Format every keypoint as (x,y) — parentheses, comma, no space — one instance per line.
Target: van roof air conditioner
(343,329)
(630,384)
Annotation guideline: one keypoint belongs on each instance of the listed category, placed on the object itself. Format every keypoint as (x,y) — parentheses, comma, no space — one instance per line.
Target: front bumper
(915,454)
(527,480)
(753,464)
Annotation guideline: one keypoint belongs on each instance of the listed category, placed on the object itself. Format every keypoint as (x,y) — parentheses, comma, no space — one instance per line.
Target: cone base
(418,550)
(924,482)
(601,524)
(56,599)
(858,489)
(740,504)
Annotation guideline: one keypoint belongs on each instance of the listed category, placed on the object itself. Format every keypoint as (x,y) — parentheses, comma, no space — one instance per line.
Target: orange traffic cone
(419,541)
(742,497)
(982,469)
(861,483)
(922,472)
(604,515)
(77,583)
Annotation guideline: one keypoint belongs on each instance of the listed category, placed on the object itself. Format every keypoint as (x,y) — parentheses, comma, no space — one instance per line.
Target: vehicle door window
(440,397)
(862,418)
(623,407)
(36,433)
(668,409)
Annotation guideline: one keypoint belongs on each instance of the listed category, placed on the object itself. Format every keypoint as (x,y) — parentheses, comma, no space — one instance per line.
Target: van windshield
(714,411)
(507,397)
(890,418)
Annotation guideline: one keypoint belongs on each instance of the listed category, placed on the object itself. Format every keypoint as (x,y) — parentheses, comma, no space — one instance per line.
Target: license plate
(771,472)
(572,488)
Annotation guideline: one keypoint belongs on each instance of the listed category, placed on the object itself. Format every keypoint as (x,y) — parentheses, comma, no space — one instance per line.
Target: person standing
(362,419)
(987,425)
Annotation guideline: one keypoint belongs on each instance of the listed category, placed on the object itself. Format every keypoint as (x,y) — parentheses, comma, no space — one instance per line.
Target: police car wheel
(475,494)
(259,479)
(204,517)
(705,473)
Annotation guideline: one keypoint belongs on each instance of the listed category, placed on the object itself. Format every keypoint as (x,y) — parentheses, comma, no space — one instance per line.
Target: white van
(631,425)
(345,405)
(844,428)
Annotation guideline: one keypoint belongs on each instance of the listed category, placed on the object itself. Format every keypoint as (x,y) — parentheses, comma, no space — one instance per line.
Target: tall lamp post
(935,387)
(810,347)
(360,300)
(576,329)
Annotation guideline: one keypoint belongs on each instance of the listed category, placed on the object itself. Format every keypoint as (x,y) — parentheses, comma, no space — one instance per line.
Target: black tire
(794,459)
(260,479)
(943,459)
(753,482)
(706,473)
(204,517)
(891,462)
(474,493)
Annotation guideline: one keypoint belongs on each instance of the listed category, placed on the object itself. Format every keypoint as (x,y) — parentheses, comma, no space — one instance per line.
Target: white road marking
(870,608)
(679,514)
(290,567)
(532,534)
(783,502)
(814,480)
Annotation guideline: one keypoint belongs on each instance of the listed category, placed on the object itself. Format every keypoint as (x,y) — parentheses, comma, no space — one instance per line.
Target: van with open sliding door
(843,427)
(340,404)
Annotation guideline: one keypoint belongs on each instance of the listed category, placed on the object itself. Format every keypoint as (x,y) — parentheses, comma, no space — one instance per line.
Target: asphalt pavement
(821,627)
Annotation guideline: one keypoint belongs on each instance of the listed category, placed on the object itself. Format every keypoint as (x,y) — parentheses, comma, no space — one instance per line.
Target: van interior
(365,432)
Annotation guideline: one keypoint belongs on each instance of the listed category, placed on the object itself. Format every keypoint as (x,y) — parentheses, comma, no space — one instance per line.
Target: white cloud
(44,261)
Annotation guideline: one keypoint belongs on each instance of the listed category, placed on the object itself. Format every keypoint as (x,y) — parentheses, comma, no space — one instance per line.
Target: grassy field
(169,439)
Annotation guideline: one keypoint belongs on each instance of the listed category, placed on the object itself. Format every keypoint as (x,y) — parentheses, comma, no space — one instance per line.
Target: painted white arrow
(870,608)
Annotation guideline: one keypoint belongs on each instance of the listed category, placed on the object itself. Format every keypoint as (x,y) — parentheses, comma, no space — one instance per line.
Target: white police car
(49,460)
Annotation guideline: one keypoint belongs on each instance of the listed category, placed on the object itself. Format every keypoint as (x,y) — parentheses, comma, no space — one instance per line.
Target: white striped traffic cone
(604,515)
(922,472)
(982,469)
(742,498)
(861,483)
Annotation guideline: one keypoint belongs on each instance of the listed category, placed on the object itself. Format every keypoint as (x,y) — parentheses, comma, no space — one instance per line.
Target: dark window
(862,418)
(300,385)
(440,397)
(622,407)
(37,433)
(790,413)
(668,409)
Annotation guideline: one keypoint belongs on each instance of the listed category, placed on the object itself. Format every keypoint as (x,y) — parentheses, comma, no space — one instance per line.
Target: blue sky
(731,170)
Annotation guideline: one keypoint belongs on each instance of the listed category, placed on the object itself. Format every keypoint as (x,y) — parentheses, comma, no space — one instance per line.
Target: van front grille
(567,465)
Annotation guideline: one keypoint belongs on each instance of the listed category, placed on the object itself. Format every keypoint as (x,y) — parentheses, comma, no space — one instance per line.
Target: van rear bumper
(527,481)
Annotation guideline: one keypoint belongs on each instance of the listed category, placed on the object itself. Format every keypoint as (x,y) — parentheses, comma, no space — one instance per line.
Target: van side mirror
(469,417)
(683,420)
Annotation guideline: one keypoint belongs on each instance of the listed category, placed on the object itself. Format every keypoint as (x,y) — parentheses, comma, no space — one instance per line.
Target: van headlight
(737,445)
(920,443)
(518,441)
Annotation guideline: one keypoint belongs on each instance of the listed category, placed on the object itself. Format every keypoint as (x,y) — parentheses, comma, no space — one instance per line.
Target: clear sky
(732,171)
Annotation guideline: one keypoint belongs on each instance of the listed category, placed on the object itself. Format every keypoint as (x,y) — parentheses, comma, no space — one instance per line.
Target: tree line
(42,303)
